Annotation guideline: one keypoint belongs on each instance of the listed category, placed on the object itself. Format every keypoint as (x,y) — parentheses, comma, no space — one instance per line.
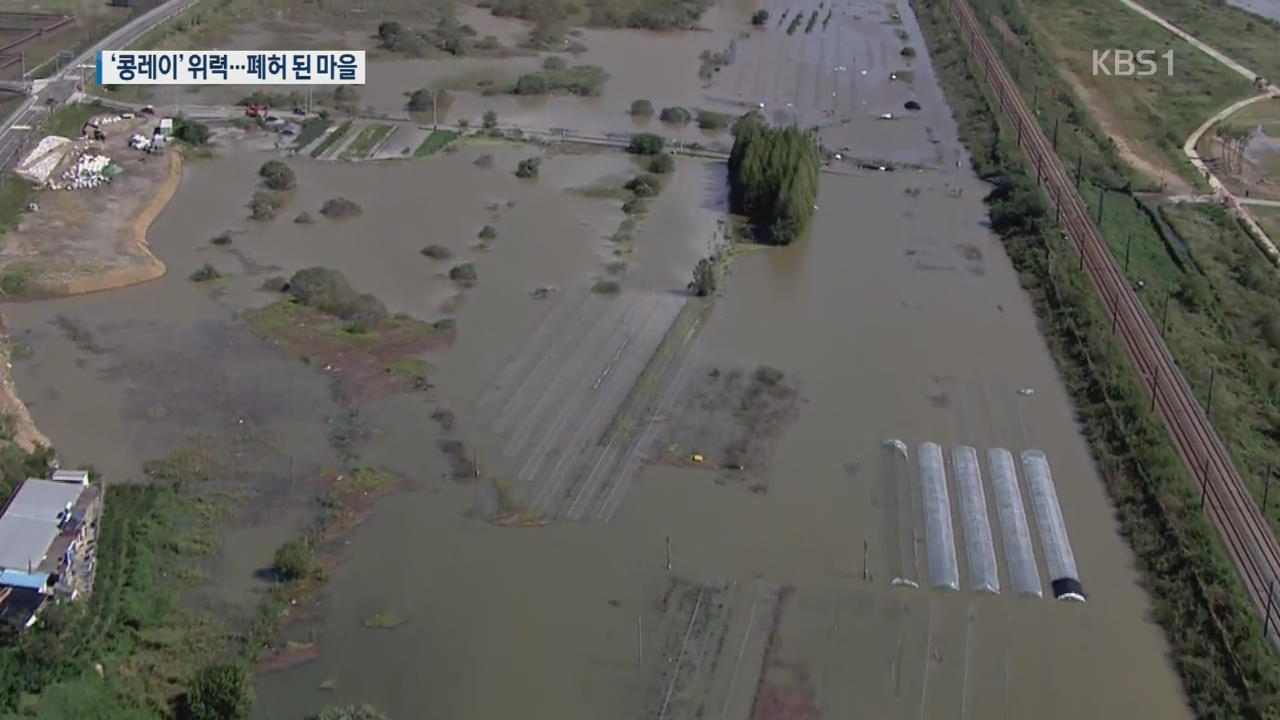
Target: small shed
(166,126)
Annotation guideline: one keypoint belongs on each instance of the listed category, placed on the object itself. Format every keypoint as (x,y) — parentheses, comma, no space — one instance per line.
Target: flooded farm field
(843,487)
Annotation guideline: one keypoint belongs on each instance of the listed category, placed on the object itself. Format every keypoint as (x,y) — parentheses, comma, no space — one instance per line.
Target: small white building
(166,126)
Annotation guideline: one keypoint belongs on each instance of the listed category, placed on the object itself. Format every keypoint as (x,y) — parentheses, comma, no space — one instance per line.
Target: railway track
(1249,541)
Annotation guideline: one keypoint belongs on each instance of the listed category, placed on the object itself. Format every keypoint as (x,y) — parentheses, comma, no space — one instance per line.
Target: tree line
(773,178)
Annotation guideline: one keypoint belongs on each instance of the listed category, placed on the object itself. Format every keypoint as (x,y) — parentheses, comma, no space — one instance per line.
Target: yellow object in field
(697,458)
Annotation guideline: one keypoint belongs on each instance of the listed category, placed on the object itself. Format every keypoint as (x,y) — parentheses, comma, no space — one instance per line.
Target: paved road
(56,90)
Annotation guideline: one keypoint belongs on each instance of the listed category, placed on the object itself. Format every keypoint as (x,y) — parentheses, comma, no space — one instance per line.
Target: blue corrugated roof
(17,578)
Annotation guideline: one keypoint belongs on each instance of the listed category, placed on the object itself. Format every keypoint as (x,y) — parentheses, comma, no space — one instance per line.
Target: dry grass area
(84,240)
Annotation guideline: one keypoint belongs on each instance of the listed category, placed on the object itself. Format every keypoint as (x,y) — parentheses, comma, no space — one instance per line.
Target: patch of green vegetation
(435,142)
(675,115)
(312,128)
(1243,36)
(333,137)
(528,168)
(1153,114)
(415,370)
(16,278)
(1227,667)
(150,648)
(646,144)
(773,179)
(585,80)
(711,120)
(366,141)
(69,119)
(205,273)
(265,204)
(641,108)
(15,195)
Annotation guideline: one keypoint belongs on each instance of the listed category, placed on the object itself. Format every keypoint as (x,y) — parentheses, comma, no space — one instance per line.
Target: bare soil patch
(78,241)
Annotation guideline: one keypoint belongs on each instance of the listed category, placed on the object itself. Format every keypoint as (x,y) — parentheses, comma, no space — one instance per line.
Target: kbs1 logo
(1128,63)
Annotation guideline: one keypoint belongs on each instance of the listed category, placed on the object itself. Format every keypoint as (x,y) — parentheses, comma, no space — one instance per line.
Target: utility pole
(1266,488)
(640,638)
(435,118)
(1079,167)
(1266,616)
(668,553)
(1128,240)
(1102,197)
(1208,405)
(1164,320)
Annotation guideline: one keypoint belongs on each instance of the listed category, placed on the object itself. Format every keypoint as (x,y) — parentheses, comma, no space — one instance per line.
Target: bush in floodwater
(340,207)
(488,232)
(641,108)
(294,560)
(205,273)
(606,287)
(304,218)
(277,175)
(907,52)
(662,164)
(634,206)
(711,120)
(760,18)
(329,292)
(464,273)
(528,168)
(191,132)
(706,277)
(645,185)
(646,144)
(675,115)
(264,204)
(222,238)
(437,252)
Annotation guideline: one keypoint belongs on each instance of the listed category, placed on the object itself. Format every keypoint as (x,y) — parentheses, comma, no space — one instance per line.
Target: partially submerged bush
(488,232)
(634,206)
(675,115)
(205,273)
(711,120)
(662,164)
(554,62)
(528,168)
(645,185)
(646,144)
(264,204)
(437,252)
(641,108)
(606,287)
(304,218)
(464,273)
(340,207)
(222,238)
(294,560)
(277,175)
(329,292)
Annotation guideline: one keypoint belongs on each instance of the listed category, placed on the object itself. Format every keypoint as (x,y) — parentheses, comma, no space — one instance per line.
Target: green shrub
(191,132)
(710,120)
(294,560)
(223,691)
(437,252)
(529,167)
(646,185)
(329,292)
(662,163)
(464,273)
(205,273)
(264,204)
(641,108)
(646,144)
(675,115)
(488,232)
(277,176)
(340,207)
(760,18)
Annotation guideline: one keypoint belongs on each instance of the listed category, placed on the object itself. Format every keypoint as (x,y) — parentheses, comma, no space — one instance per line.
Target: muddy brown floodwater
(698,593)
